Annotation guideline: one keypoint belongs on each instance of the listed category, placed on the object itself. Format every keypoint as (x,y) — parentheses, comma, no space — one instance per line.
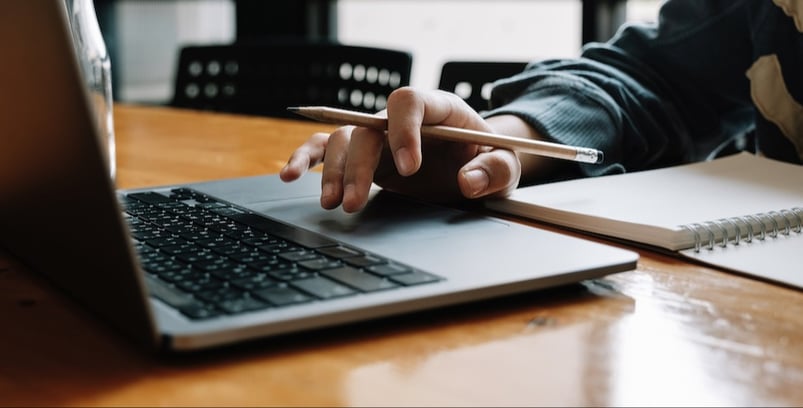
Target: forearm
(650,98)
(586,103)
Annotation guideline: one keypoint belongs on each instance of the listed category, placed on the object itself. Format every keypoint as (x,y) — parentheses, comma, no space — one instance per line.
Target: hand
(402,161)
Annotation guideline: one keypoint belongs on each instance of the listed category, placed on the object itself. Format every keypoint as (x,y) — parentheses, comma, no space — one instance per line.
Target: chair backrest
(472,80)
(266,78)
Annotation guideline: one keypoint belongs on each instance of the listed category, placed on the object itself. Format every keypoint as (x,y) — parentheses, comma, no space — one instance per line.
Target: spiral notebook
(741,212)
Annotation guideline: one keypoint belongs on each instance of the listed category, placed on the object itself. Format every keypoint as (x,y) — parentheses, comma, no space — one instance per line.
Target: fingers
(350,157)
(494,172)
(491,172)
(334,167)
(307,156)
(364,152)
(408,109)
(355,157)
(405,110)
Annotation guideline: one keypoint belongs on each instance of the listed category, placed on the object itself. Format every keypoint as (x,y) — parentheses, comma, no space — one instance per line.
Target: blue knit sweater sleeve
(655,95)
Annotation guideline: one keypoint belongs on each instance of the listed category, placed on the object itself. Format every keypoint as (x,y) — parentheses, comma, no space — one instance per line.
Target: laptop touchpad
(387,217)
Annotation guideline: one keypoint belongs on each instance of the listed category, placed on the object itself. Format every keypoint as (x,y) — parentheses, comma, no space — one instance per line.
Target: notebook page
(650,206)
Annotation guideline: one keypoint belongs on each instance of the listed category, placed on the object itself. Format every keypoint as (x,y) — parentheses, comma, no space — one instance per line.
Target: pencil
(517,144)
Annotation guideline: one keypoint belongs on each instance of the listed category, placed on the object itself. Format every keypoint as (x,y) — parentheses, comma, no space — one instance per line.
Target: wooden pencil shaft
(555,150)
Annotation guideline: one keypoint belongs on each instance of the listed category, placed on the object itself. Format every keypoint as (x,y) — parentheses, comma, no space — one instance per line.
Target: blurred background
(145,36)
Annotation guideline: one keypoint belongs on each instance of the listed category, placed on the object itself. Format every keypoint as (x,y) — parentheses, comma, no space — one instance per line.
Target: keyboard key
(205,283)
(246,304)
(179,275)
(166,269)
(217,296)
(389,269)
(214,265)
(358,279)
(151,197)
(198,311)
(216,242)
(339,252)
(165,241)
(254,282)
(185,304)
(253,257)
(414,278)
(273,247)
(297,235)
(323,288)
(233,273)
(232,250)
(199,256)
(270,265)
(365,260)
(206,257)
(291,274)
(258,241)
(226,211)
(302,255)
(179,249)
(282,296)
(320,264)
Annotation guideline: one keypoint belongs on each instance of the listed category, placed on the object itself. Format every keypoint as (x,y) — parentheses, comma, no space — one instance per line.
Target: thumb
(496,172)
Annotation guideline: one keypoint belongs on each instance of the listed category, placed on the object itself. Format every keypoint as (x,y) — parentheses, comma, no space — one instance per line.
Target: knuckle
(403,96)
(332,174)
(341,134)
(503,165)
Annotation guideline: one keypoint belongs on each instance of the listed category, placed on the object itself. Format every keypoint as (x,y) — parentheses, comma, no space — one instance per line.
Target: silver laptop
(208,264)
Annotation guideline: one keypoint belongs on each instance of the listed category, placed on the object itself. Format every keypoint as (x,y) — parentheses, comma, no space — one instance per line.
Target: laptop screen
(58,212)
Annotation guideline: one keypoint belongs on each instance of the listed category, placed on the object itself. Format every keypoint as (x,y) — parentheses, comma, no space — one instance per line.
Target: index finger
(408,109)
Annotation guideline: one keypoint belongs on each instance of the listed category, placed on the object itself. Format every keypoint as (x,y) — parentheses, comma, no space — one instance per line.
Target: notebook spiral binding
(734,230)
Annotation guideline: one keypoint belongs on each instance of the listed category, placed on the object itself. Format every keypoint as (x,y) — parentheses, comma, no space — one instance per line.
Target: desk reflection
(668,333)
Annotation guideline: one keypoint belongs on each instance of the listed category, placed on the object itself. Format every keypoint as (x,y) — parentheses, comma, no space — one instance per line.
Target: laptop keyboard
(207,258)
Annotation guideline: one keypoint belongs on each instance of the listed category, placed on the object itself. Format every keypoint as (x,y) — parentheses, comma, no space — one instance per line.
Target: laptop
(203,265)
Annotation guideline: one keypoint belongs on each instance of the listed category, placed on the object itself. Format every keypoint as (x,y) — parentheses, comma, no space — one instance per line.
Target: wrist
(533,168)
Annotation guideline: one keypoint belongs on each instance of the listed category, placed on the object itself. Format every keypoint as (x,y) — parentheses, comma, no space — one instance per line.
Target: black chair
(472,80)
(266,78)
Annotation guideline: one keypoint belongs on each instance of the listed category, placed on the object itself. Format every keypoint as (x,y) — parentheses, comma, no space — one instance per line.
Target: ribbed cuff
(572,114)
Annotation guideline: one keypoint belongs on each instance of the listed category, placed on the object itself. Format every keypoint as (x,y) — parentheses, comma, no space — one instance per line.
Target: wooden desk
(669,333)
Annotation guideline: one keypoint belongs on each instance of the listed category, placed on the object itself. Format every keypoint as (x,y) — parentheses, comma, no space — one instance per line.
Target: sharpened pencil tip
(307,112)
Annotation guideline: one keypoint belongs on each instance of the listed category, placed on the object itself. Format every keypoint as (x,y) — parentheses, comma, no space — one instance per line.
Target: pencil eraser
(600,157)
